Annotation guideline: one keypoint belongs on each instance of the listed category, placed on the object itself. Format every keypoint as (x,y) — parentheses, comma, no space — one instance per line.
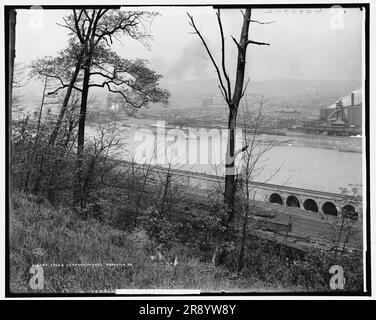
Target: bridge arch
(292,201)
(310,205)
(276,198)
(329,208)
(349,211)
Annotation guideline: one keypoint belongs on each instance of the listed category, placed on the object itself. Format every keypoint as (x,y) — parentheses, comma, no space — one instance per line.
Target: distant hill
(299,94)
(289,87)
(191,93)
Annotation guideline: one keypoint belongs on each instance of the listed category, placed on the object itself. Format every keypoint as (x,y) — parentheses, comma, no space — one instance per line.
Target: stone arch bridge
(311,201)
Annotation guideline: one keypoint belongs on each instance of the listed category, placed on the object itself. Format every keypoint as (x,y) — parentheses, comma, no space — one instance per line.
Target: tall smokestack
(352,98)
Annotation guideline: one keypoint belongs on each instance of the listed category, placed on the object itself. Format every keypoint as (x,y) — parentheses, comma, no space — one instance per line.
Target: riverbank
(343,144)
(278,138)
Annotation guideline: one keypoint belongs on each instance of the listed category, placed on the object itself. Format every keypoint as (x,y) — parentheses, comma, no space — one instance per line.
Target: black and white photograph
(183,149)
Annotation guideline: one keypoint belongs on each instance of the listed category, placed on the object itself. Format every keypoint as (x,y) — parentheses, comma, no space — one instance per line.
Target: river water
(302,167)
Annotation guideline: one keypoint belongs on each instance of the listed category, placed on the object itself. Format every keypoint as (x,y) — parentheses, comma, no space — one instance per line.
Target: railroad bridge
(312,201)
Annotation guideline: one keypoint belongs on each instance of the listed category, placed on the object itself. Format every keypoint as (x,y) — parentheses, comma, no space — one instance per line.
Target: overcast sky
(303,45)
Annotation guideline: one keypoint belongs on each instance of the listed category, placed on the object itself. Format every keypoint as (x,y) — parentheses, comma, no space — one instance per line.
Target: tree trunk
(31,161)
(78,197)
(39,176)
(88,179)
(70,130)
(145,178)
(63,109)
(230,187)
(245,221)
(242,244)
(165,191)
(233,101)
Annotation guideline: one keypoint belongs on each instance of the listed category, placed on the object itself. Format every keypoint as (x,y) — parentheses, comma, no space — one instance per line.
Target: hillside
(108,258)
(186,93)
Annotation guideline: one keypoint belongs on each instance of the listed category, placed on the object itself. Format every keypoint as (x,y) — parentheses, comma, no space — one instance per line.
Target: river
(296,166)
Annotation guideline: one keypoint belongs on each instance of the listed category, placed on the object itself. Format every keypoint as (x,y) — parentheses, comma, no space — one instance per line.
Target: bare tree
(344,228)
(168,193)
(146,172)
(232,98)
(252,165)
(28,164)
(101,148)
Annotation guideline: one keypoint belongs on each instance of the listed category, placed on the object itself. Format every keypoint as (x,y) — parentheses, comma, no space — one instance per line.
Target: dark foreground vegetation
(43,234)
(162,236)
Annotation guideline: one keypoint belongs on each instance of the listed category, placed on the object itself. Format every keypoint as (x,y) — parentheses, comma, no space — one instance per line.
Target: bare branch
(258,43)
(227,97)
(222,93)
(50,93)
(77,29)
(130,21)
(223,54)
(236,42)
(107,84)
(259,22)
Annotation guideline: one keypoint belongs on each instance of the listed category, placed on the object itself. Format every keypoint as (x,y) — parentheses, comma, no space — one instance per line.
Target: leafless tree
(252,165)
(146,172)
(232,98)
(39,121)
(343,228)
(168,195)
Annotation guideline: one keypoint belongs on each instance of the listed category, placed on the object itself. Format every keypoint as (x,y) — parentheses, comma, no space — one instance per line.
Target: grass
(42,234)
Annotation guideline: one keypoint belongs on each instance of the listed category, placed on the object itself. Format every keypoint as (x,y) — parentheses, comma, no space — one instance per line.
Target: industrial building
(345,113)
